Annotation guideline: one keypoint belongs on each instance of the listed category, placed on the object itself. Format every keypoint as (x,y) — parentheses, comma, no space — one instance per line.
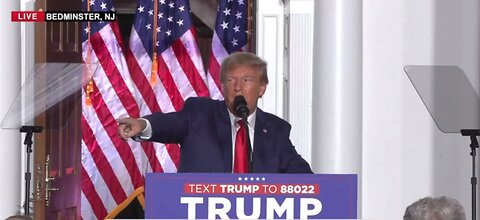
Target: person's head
(245,74)
(428,208)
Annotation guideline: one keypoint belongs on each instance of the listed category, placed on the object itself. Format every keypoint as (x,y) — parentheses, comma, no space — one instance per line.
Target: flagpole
(89,88)
(153,77)
(251,26)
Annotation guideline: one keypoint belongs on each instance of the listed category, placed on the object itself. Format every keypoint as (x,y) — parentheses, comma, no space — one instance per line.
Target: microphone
(240,106)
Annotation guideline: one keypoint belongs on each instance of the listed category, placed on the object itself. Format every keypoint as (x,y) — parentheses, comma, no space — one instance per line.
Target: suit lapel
(224,135)
(260,141)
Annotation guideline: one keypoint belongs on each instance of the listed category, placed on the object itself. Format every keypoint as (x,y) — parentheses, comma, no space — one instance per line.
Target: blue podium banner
(252,196)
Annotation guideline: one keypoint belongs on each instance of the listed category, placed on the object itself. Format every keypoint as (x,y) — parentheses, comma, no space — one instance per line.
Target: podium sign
(252,196)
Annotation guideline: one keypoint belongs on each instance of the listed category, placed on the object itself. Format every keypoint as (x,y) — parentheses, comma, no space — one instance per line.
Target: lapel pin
(265,131)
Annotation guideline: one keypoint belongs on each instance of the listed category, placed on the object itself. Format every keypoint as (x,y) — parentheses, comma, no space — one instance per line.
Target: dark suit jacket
(203,130)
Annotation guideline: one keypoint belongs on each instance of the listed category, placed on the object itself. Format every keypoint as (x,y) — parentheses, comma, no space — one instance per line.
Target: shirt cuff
(146,134)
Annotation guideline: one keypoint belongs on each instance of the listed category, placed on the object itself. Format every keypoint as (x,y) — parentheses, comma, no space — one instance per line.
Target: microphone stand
(28,176)
(473,133)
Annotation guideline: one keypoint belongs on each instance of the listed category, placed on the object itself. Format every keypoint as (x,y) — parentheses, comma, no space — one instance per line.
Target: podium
(250,196)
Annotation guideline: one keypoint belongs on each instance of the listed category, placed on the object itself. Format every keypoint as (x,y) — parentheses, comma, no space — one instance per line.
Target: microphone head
(240,106)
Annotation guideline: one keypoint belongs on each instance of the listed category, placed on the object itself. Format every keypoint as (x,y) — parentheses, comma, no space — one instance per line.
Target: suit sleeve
(171,127)
(291,161)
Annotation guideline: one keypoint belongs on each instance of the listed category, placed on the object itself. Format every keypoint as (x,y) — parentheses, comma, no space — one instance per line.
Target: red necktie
(240,164)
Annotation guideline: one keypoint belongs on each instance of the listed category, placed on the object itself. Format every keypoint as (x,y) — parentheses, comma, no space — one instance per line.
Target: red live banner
(63,16)
(28,16)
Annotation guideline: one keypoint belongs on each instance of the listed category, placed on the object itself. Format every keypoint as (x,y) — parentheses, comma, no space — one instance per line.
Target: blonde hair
(239,59)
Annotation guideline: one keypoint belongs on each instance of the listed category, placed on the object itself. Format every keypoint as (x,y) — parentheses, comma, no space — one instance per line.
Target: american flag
(113,169)
(230,35)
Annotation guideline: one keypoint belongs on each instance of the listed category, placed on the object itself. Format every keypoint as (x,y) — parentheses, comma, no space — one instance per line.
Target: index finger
(123,121)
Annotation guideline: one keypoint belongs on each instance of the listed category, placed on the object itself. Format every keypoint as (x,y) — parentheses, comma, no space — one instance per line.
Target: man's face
(243,80)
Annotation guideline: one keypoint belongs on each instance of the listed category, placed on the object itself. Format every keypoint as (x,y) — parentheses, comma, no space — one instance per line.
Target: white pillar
(337,87)
(10,149)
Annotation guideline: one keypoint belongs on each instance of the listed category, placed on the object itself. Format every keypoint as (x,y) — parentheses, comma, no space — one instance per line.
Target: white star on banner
(226,11)
(234,42)
(224,25)
(141,8)
(238,15)
(236,28)
(103,6)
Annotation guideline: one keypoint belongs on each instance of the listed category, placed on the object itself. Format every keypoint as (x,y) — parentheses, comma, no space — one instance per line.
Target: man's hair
(428,208)
(239,59)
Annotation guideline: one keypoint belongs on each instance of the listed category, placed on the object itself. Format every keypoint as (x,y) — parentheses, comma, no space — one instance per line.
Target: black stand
(28,176)
(473,133)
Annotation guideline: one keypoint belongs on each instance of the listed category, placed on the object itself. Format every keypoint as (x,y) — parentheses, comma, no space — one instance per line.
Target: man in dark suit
(206,129)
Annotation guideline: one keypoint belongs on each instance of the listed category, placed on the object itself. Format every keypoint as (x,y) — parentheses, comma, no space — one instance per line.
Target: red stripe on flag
(142,83)
(152,157)
(95,201)
(174,152)
(214,70)
(114,75)
(102,163)
(170,85)
(189,69)
(118,35)
(110,125)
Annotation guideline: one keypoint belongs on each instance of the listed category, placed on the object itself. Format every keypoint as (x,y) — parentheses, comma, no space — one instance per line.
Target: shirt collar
(251,119)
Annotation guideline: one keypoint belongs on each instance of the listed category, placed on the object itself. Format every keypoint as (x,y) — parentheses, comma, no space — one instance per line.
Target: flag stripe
(93,198)
(189,69)
(109,123)
(214,70)
(189,40)
(86,209)
(101,161)
(169,84)
(141,58)
(114,76)
(142,83)
(106,197)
